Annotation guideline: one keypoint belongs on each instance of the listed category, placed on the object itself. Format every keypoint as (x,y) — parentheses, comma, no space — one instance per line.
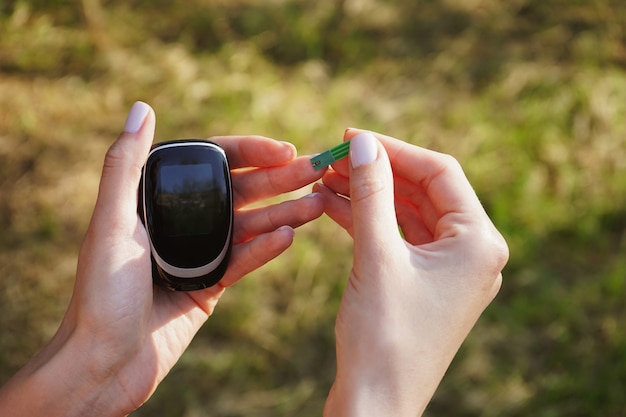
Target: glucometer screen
(185,194)
(188,207)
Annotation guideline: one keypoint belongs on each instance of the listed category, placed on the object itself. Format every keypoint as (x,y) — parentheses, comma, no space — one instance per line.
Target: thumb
(116,205)
(375,228)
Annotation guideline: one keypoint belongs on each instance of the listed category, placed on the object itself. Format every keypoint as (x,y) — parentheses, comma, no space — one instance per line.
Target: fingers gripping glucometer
(186,205)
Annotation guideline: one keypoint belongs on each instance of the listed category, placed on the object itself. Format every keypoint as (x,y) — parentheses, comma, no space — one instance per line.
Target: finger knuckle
(366,187)
(498,251)
(495,256)
(114,156)
(449,163)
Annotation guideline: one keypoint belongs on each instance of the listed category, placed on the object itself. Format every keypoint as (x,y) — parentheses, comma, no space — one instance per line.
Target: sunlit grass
(530,97)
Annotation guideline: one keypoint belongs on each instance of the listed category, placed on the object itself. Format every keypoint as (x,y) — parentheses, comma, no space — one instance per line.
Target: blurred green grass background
(529,95)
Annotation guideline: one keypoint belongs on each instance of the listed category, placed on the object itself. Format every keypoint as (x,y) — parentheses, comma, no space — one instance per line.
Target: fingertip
(302,168)
(255,151)
(318,188)
(139,128)
(348,133)
(290,150)
(323,191)
(351,132)
(280,152)
(336,207)
(363,149)
(133,144)
(137,117)
(314,195)
(123,162)
(371,190)
(287,232)
(341,167)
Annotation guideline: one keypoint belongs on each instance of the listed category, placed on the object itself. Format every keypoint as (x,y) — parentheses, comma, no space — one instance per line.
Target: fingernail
(287,228)
(363,149)
(312,195)
(319,186)
(291,147)
(348,129)
(136,117)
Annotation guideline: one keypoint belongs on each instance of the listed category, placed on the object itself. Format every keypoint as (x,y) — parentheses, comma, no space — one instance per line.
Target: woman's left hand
(121,334)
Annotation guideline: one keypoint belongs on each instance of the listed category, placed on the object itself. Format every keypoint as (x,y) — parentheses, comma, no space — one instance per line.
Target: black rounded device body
(186,205)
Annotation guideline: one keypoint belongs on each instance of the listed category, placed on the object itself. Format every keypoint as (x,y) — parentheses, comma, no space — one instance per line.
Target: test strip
(330,156)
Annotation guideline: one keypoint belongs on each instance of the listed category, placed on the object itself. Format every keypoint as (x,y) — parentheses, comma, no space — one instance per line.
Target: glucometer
(186,205)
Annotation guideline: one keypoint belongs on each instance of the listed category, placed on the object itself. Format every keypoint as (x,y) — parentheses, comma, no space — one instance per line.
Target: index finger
(439,175)
(252,185)
(255,151)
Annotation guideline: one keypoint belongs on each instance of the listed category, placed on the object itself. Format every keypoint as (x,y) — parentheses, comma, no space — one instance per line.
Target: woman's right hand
(427,262)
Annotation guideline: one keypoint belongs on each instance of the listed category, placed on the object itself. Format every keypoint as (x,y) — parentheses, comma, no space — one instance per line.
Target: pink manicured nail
(363,149)
(136,117)
(287,228)
(291,147)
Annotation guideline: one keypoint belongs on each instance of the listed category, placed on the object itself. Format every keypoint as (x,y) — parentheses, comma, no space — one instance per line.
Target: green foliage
(528,95)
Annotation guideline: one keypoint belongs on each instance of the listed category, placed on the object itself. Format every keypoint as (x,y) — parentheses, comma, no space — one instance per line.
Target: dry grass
(528,95)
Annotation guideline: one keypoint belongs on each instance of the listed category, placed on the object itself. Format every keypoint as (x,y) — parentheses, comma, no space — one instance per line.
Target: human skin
(427,262)
(121,334)
(410,300)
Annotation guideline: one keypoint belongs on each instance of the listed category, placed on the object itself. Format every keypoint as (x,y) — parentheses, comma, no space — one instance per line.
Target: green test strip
(332,155)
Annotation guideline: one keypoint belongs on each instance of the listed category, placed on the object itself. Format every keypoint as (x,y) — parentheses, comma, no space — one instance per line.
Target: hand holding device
(121,334)
(186,204)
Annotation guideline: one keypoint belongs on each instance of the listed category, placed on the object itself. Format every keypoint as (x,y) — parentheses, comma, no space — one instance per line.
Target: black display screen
(185,196)
(188,203)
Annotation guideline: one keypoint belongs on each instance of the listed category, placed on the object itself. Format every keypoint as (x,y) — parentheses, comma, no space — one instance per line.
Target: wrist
(61,380)
(377,391)
(388,377)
